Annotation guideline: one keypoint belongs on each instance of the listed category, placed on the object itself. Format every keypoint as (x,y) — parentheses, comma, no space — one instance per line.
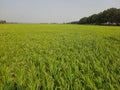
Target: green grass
(59,57)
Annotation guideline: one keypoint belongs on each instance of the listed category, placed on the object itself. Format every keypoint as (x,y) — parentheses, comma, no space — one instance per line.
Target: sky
(52,11)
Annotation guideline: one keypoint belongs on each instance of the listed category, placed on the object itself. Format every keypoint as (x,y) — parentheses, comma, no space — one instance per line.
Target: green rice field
(59,57)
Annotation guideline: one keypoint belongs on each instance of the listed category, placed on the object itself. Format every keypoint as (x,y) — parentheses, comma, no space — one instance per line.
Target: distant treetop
(107,17)
(2,21)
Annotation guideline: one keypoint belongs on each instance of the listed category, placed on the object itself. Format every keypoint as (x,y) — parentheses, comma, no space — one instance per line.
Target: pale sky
(43,11)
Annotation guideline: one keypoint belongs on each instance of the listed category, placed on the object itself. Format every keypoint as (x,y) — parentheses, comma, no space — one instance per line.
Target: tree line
(2,21)
(107,17)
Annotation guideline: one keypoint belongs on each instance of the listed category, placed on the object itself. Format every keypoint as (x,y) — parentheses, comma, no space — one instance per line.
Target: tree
(109,16)
(2,21)
(117,19)
(83,20)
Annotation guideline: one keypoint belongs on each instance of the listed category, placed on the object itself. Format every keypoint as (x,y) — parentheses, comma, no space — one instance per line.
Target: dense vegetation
(59,57)
(109,16)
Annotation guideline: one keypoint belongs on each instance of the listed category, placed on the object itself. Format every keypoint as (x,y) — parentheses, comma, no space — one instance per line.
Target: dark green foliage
(84,20)
(109,16)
